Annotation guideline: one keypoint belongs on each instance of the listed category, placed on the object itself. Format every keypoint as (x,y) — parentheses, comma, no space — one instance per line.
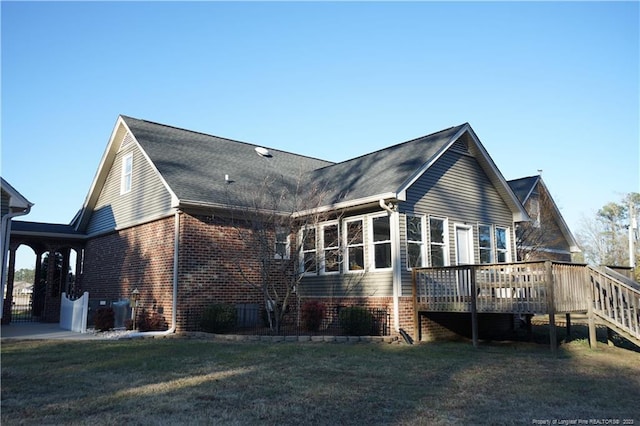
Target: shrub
(104,319)
(218,318)
(312,315)
(355,321)
(151,321)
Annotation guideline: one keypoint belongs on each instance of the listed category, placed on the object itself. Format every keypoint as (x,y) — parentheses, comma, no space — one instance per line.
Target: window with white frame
(282,249)
(308,263)
(502,244)
(354,245)
(415,241)
(331,248)
(127,174)
(381,242)
(485,244)
(438,242)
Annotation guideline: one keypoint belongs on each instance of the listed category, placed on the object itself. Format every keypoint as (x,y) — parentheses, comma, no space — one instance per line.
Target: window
(415,242)
(354,243)
(282,249)
(484,241)
(502,245)
(331,248)
(437,242)
(127,172)
(381,241)
(308,248)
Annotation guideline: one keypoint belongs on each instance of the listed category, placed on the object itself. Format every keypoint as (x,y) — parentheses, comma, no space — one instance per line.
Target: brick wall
(139,257)
(217,265)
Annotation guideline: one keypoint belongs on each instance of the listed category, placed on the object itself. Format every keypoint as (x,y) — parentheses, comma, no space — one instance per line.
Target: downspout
(394,223)
(174,303)
(6,237)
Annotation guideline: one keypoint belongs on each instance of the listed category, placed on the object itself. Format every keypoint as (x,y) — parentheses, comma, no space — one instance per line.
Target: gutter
(394,223)
(174,303)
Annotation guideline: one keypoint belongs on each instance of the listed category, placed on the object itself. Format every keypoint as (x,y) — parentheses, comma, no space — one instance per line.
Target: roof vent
(262,152)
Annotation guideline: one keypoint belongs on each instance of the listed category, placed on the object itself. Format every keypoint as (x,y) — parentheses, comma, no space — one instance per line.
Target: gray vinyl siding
(457,189)
(351,284)
(147,199)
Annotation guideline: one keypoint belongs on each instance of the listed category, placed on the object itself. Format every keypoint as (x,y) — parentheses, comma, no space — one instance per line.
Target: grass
(183,381)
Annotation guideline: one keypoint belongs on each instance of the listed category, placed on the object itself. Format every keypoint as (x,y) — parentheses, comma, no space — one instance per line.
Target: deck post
(551,309)
(474,306)
(593,342)
(568,321)
(416,314)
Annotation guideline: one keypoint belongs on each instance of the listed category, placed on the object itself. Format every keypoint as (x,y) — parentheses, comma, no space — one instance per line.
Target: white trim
(445,237)
(346,245)
(491,248)
(470,238)
(126,173)
(507,249)
(371,243)
(424,252)
(321,247)
(347,204)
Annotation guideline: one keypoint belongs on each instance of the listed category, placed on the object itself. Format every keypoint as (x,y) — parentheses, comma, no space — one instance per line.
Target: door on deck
(464,256)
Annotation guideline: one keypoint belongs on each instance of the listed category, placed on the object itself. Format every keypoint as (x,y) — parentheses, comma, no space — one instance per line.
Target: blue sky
(545,85)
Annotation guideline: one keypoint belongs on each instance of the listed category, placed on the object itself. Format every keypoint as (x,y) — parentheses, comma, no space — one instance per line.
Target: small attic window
(262,152)
(126,174)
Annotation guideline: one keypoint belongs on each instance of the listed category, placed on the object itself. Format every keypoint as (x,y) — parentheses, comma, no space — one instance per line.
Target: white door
(464,245)
(464,256)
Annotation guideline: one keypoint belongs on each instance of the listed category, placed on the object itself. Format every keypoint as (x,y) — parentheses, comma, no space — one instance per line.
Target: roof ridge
(394,146)
(224,138)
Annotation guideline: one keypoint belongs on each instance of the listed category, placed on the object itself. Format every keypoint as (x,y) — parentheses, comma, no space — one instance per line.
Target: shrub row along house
(189,220)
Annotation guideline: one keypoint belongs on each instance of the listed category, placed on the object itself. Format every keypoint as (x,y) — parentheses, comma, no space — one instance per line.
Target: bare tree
(542,232)
(605,237)
(276,221)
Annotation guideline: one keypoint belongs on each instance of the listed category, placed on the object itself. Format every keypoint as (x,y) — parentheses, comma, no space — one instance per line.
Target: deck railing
(521,288)
(616,302)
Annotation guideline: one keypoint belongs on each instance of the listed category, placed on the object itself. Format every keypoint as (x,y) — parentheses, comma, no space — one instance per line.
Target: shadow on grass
(206,382)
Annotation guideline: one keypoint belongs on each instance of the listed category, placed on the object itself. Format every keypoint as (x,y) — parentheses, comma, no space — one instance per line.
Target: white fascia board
(564,228)
(118,132)
(402,191)
(16,200)
(350,203)
(174,198)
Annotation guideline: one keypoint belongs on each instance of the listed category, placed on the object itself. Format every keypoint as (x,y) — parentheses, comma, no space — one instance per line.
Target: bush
(355,321)
(312,315)
(218,318)
(151,321)
(104,319)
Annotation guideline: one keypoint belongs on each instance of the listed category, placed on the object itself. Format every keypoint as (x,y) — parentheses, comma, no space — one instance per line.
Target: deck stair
(530,288)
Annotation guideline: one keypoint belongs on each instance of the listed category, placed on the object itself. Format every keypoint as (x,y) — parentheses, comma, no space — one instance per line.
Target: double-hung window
(502,245)
(437,242)
(354,245)
(126,176)
(308,262)
(485,242)
(381,242)
(282,247)
(331,248)
(415,241)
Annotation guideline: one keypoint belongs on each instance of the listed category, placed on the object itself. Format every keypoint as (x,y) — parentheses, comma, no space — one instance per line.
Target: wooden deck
(527,288)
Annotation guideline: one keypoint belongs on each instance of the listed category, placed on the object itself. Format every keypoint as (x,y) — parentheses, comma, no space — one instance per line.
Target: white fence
(73,313)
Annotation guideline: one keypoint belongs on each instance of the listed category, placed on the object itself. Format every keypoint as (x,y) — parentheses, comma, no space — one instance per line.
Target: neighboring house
(156,219)
(546,236)
(13,204)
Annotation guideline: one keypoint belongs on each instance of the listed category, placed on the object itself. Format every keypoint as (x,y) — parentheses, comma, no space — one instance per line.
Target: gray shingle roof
(383,171)
(194,165)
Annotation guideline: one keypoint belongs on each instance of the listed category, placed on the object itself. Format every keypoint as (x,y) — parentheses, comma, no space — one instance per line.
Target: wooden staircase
(616,301)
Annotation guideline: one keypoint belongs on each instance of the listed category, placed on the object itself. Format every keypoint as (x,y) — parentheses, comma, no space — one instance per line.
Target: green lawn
(183,381)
